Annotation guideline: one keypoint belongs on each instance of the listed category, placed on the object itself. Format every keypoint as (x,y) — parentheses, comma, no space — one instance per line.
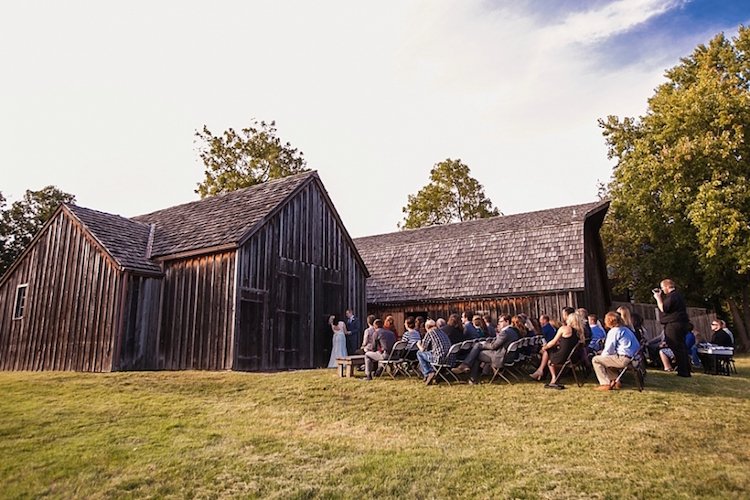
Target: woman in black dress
(557,350)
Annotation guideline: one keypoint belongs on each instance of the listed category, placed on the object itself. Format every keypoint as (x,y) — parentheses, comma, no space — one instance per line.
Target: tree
(681,190)
(452,195)
(24,218)
(236,160)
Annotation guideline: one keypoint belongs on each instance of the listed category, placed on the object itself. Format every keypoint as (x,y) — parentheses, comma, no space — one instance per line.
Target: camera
(656,290)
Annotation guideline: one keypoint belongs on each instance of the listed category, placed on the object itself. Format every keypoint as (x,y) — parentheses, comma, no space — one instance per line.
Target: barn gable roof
(124,239)
(524,253)
(221,220)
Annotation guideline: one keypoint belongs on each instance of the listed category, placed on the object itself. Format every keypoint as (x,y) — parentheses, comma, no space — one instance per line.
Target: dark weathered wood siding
(197,320)
(295,271)
(136,348)
(73,301)
(532,305)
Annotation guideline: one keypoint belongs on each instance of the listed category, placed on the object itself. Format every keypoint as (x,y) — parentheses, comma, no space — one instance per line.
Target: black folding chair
(572,362)
(442,366)
(510,360)
(392,364)
(638,366)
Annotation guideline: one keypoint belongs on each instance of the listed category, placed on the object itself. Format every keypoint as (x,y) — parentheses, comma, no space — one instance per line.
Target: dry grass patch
(310,434)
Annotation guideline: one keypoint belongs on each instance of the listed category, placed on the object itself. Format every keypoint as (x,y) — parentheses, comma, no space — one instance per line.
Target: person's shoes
(602,388)
(472,381)
(379,371)
(367,378)
(535,377)
(430,377)
(361,368)
(684,375)
(558,387)
(615,385)
(462,368)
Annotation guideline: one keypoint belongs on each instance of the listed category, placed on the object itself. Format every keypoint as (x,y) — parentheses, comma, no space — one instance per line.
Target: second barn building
(534,263)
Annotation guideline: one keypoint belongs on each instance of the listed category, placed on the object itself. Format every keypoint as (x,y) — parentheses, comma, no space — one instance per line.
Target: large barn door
(291,341)
(253,340)
(328,301)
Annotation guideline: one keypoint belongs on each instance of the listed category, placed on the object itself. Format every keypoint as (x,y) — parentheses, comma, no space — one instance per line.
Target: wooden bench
(347,364)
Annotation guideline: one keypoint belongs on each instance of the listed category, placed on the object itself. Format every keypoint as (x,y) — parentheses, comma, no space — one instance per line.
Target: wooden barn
(240,281)
(535,263)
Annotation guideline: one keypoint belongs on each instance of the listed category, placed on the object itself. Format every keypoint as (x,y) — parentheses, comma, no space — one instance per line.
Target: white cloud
(104,102)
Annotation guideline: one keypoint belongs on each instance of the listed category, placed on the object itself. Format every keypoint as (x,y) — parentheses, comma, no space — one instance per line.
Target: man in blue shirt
(620,348)
(547,329)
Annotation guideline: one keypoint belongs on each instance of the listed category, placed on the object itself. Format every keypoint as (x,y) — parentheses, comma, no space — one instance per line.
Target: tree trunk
(740,320)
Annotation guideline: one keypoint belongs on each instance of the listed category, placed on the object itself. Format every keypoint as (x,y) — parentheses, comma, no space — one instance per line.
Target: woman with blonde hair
(557,350)
(627,316)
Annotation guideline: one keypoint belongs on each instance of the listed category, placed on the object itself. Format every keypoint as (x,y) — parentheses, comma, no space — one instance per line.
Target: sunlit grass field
(311,434)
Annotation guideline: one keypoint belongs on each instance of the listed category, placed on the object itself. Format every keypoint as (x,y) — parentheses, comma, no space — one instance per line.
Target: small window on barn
(20,303)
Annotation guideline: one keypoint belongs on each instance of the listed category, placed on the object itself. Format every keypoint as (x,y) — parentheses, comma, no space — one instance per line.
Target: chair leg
(499,372)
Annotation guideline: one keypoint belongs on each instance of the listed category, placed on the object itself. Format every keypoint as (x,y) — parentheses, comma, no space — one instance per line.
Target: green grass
(311,434)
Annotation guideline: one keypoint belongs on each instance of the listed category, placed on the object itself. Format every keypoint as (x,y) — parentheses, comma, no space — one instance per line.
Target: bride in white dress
(338,350)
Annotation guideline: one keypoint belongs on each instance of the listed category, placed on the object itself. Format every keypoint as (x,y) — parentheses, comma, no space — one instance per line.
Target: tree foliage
(680,198)
(24,218)
(236,160)
(452,195)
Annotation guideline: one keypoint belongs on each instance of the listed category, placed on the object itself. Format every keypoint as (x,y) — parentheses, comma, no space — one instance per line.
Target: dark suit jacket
(353,325)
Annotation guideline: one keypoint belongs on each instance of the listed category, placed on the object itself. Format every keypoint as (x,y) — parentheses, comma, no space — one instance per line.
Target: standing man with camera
(676,323)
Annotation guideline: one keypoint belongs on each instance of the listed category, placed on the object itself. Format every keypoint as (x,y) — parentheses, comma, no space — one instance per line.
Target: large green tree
(680,190)
(24,218)
(236,160)
(452,195)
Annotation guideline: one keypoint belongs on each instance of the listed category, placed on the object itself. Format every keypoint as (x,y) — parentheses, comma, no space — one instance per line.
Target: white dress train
(338,349)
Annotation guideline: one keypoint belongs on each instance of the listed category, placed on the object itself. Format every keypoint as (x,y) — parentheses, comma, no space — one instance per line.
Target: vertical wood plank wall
(72,313)
(197,323)
(137,347)
(294,272)
(534,306)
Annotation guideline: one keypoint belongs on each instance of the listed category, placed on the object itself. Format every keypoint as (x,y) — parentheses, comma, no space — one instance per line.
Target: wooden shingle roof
(124,239)
(218,220)
(532,252)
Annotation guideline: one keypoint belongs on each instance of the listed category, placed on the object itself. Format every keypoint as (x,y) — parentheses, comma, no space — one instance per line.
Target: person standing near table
(676,323)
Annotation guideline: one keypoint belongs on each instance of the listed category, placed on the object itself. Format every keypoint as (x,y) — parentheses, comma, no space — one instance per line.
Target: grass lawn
(312,434)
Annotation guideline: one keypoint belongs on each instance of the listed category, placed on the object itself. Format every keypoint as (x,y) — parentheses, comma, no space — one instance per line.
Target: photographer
(676,324)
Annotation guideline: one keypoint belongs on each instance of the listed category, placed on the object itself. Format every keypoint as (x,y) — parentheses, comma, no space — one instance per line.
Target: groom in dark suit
(353,331)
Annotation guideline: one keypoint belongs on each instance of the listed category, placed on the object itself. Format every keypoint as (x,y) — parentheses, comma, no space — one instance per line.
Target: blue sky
(103,99)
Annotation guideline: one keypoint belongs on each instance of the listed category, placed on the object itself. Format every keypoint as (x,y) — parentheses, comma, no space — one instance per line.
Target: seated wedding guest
(480,326)
(453,329)
(434,347)
(440,322)
(548,330)
(597,333)
(411,335)
(720,336)
(491,330)
(528,325)
(584,314)
(726,329)
(420,325)
(390,324)
(638,329)
(620,348)
(558,349)
(470,332)
(518,323)
(383,341)
(490,351)
(368,338)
